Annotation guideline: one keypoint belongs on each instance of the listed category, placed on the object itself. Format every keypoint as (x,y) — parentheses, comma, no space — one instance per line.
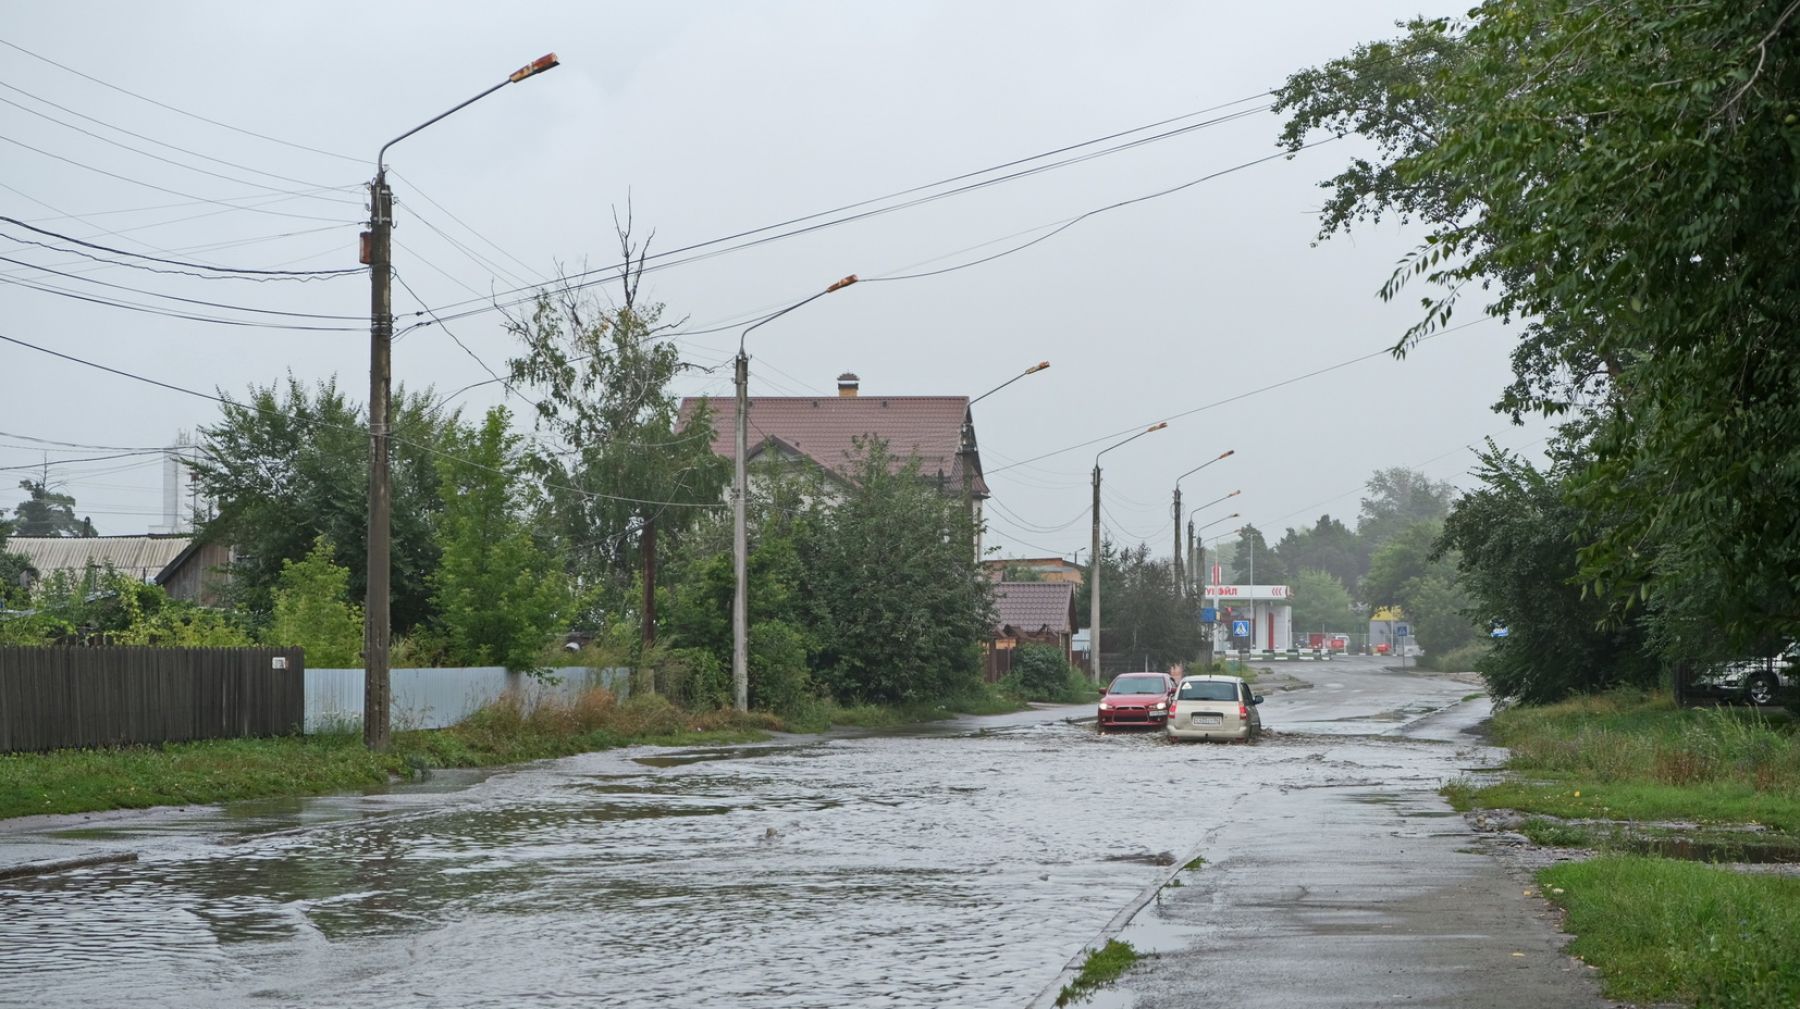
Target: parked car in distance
(1214,707)
(1758,681)
(1140,700)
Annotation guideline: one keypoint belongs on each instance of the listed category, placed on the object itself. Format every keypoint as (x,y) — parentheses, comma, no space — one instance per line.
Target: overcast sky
(718,118)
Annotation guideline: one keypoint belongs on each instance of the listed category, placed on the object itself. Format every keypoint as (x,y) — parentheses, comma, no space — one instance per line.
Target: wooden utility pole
(377,698)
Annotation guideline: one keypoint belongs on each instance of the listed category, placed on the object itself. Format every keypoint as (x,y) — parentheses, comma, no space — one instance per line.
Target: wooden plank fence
(55,697)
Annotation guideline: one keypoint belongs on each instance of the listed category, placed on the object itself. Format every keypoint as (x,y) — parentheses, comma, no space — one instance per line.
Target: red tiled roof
(1034,606)
(824,428)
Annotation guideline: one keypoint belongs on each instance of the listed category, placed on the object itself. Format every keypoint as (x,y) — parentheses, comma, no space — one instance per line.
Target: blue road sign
(1209,614)
(1240,628)
(1402,631)
(1499,632)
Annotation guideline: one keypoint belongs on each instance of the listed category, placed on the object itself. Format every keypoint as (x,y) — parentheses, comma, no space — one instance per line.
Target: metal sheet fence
(439,698)
(56,697)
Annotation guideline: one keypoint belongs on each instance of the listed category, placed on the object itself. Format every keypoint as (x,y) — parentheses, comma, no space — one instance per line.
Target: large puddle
(911,870)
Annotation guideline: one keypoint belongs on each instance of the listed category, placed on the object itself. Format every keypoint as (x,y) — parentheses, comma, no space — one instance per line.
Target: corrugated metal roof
(140,556)
(1034,606)
(825,428)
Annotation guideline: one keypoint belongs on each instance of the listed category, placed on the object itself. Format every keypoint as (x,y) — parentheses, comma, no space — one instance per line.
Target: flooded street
(961,863)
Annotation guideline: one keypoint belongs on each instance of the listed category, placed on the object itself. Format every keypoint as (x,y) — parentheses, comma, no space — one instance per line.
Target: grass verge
(825,714)
(1629,755)
(1102,966)
(1660,929)
(224,770)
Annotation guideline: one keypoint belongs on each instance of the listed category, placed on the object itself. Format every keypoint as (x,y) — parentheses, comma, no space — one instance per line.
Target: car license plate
(1208,719)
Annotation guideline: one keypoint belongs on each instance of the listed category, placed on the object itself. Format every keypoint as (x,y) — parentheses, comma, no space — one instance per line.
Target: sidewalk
(1370,894)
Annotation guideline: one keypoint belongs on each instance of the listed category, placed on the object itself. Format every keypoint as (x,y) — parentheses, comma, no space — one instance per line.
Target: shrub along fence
(55,697)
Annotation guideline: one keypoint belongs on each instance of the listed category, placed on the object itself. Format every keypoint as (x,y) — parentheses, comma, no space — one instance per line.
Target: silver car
(1214,707)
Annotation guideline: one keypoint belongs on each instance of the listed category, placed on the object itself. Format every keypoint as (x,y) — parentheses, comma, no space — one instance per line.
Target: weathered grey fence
(68,696)
(440,698)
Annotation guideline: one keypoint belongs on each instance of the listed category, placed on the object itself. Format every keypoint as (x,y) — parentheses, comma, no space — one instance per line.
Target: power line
(80,446)
(1233,399)
(153,140)
(167,313)
(659,261)
(179,111)
(155,157)
(172,297)
(396,440)
(160,189)
(248,271)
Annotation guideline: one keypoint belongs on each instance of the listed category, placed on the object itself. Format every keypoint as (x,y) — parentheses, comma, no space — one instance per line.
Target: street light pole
(378,254)
(1175,556)
(968,451)
(740,535)
(1094,555)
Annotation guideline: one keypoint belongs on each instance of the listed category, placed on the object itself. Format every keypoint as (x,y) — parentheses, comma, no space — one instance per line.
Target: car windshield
(1139,685)
(1209,690)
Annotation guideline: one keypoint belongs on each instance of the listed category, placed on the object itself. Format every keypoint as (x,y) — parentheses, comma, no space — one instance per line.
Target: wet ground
(958,864)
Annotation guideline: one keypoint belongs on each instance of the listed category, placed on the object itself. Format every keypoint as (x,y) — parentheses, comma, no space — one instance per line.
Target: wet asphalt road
(958,864)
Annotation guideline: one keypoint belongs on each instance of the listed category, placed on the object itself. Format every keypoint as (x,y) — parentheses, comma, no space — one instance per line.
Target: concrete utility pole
(377,696)
(1176,556)
(1094,560)
(377,252)
(740,535)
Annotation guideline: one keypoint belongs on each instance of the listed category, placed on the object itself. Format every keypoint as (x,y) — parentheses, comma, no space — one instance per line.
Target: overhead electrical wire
(159,143)
(179,111)
(172,314)
(152,185)
(1234,398)
(157,157)
(173,297)
(133,376)
(243,270)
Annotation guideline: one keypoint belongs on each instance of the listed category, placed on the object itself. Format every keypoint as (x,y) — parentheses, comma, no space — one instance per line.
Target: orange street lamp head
(1228,453)
(1157,427)
(535,67)
(840,285)
(1234,493)
(1040,366)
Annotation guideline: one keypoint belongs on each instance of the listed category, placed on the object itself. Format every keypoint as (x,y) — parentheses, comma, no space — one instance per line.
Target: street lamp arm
(1200,508)
(1152,429)
(531,69)
(809,299)
(1034,369)
(1223,455)
(1215,522)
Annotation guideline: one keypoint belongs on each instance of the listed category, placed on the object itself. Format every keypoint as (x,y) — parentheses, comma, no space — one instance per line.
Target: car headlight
(1161,705)
(1105,706)
(1732,680)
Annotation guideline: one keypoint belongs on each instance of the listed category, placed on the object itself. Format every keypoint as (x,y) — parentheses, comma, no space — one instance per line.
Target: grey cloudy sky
(717,118)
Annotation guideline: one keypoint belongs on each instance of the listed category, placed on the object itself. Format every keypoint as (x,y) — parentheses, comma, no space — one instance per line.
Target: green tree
(1400,498)
(499,590)
(1252,558)
(1140,611)
(1412,572)
(1320,601)
(291,464)
(1328,546)
(45,512)
(1620,178)
(899,604)
(1514,539)
(628,473)
(313,610)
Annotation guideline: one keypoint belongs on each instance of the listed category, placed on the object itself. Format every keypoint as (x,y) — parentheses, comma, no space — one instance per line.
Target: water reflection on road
(929,869)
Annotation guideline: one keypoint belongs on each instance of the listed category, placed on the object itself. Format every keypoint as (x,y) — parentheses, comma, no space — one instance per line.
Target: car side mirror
(1102,691)
(1255,698)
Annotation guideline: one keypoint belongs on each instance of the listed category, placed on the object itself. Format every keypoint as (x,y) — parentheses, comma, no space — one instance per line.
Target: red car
(1140,700)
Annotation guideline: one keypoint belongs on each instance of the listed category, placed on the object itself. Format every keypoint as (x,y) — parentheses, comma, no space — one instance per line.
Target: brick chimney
(847,385)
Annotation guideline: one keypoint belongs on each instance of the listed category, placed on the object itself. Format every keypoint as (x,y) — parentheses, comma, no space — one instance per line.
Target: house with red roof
(1030,613)
(822,431)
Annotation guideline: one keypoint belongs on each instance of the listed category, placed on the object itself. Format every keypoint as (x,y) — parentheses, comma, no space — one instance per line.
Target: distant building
(1030,613)
(1045,569)
(184,567)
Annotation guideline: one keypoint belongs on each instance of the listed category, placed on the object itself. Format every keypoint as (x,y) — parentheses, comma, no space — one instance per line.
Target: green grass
(823,715)
(1664,930)
(1102,966)
(1195,863)
(225,770)
(1634,756)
